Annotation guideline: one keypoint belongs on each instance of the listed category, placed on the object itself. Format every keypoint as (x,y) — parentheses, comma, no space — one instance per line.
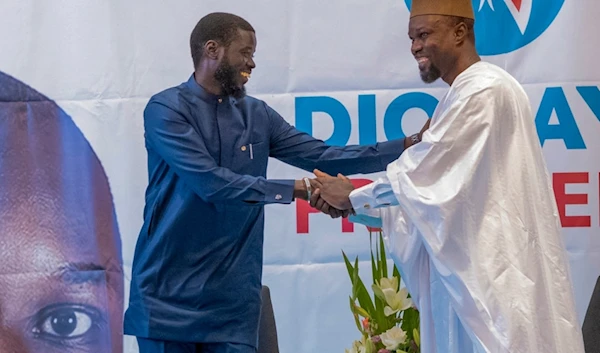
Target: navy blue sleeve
(301,150)
(183,149)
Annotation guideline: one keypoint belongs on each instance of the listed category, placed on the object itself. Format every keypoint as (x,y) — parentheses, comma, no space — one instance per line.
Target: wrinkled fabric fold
(476,233)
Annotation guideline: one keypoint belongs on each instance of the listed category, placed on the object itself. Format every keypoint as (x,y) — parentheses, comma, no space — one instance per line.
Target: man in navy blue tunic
(197,266)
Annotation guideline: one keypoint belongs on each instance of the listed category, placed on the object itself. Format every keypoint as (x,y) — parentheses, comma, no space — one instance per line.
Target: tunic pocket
(251,159)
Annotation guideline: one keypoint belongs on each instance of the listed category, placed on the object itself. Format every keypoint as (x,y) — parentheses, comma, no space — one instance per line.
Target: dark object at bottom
(267,331)
(591,324)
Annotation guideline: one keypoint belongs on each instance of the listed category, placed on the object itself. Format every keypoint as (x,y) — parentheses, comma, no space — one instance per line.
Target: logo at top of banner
(503,26)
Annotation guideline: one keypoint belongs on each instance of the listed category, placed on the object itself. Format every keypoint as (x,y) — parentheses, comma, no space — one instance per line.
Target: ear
(460,32)
(211,50)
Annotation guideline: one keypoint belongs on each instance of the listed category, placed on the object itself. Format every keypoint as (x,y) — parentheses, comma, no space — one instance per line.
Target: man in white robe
(468,213)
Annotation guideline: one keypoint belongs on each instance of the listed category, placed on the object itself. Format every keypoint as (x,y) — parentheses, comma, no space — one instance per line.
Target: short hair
(469,22)
(219,26)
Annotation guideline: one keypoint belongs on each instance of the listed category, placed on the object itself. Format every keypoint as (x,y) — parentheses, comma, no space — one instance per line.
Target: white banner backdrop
(341,70)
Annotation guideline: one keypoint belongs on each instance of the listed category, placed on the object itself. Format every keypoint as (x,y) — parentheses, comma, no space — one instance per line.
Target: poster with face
(75,77)
(61,277)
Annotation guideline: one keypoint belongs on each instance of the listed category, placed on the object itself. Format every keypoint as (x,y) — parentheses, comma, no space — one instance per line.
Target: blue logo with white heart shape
(503,26)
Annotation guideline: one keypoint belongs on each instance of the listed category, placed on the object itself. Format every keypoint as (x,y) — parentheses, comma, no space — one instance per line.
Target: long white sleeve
(372,196)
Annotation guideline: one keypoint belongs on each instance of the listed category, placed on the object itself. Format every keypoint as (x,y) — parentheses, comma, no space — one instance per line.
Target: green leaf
(410,321)
(359,291)
(375,270)
(383,259)
(355,279)
(360,311)
(369,346)
(352,305)
(374,260)
(417,337)
(350,269)
(356,320)
(396,273)
(379,268)
(373,307)
(364,299)
(378,292)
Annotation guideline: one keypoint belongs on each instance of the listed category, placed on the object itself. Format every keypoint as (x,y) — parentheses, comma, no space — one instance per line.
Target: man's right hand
(301,192)
(335,190)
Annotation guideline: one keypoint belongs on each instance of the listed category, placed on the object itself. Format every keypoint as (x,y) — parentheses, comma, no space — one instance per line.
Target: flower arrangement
(390,322)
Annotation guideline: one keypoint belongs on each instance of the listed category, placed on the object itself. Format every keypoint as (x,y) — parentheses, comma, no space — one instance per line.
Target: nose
(251,63)
(416,47)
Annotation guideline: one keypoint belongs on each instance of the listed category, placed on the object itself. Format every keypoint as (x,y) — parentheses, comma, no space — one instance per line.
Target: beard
(227,76)
(431,74)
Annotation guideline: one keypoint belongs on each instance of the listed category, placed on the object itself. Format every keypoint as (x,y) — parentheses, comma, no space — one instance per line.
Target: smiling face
(61,280)
(236,63)
(433,45)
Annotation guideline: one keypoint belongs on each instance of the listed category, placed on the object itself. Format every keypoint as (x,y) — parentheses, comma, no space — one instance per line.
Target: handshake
(329,194)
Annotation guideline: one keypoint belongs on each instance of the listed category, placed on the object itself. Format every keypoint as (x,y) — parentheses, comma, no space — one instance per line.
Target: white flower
(393,337)
(389,283)
(352,349)
(357,347)
(387,290)
(396,301)
(365,345)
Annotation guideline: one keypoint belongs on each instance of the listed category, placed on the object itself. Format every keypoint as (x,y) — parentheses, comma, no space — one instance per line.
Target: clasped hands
(330,194)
